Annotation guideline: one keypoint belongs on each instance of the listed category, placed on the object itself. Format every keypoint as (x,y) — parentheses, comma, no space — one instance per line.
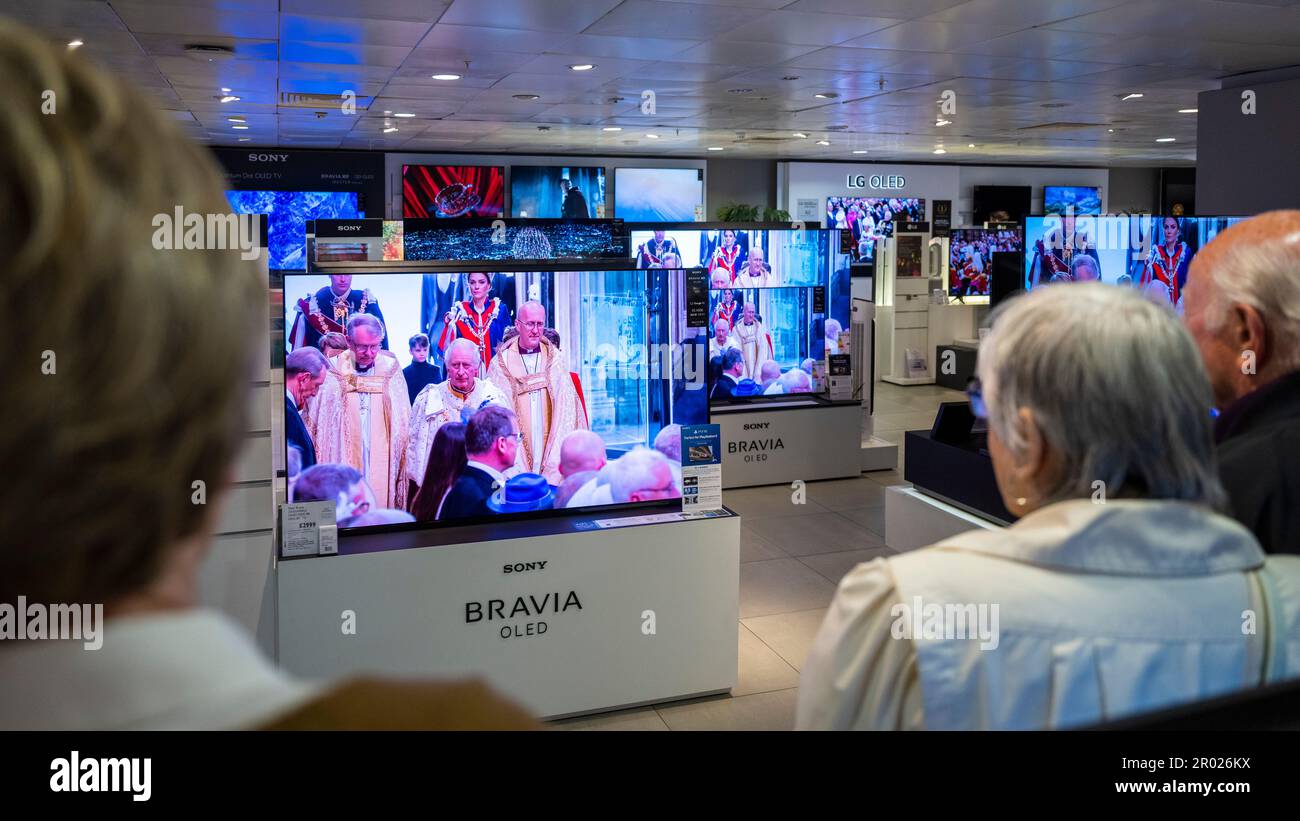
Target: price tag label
(308,529)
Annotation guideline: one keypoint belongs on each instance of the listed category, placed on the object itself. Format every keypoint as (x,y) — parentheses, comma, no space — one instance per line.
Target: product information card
(308,529)
(701,469)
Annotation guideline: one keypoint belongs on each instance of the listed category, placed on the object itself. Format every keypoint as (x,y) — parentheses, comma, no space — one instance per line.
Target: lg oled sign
(878,182)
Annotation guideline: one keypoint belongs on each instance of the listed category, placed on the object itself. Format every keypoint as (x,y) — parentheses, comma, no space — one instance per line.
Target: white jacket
(1103,610)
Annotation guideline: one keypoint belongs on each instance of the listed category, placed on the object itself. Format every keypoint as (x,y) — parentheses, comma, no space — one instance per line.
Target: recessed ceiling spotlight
(1132,96)
(790,77)
(240,127)
(942,123)
(75,44)
(823,142)
(826,95)
(972,145)
(801,135)
(1188,110)
(940,151)
(612,128)
(1110,131)
(446,76)
(652,136)
(404,115)
(1165,139)
(860,151)
(225,91)
(582,66)
(527,96)
(229,98)
(244,139)
(715,148)
(390,129)
(237,119)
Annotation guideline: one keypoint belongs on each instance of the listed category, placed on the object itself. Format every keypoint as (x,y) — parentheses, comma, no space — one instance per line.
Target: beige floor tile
(781,586)
(766,502)
(789,634)
(912,420)
(839,494)
(888,478)
(754,548)
(638,718)
(761,711)
(872,518)
(817,533)
(834,565)
(761,670)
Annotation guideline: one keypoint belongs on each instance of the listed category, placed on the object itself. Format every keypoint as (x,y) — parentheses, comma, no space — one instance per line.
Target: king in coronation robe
(754,341)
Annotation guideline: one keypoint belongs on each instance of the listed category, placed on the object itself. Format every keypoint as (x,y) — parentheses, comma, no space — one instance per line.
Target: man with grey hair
(362,416)
(1241,304)
(641,475)
(795,380)
(304,373)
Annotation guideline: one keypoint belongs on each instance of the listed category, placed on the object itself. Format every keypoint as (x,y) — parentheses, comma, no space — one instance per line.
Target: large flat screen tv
(735,257)
(970,258)
(1144,252)
(288,213)
(869,219)
(605,353)
(658,194)
(1067,199)
(441,191)
(501,239)
(557,191)
(1001,203)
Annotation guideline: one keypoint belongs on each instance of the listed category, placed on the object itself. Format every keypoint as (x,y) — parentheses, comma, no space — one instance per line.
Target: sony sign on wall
(305,170)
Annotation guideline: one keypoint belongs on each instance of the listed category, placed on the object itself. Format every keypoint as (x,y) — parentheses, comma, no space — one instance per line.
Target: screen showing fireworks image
(870,218)
(1149,253)
(970,258)
(480,239)
(557,191)
(571,385)
(1067,199)
(657,194)
(453,191)
(288,213)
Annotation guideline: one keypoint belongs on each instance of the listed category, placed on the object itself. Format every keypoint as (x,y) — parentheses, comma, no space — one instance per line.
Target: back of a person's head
(486,426)
(129,367)
(324,483)
(1117,389)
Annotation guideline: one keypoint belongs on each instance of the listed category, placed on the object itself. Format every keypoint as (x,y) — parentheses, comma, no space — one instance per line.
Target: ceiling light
(446,76)
(526,96)
(940,151)
(404,114)
(801,135)
(1165,139)
(823,142)
(225,91)
(244,139)
(652,136)
(715,148)
(1110,131)
(240,127)
(237,119)
(612,128)
(582,66)
(75,44)
(390,129)
(942,122)
(860,151)
(1188,110)
(972,145)
(826,95)
(1133,96)
(230,98)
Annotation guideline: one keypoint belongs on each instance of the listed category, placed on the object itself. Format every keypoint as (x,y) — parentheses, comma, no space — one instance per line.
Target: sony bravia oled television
(1067,199)
(557,191)
(441,191)
(1147,252)
(735,257)
(658,194)
(507,239)
(288,213)
(970,258)
(870,218)
(537,357)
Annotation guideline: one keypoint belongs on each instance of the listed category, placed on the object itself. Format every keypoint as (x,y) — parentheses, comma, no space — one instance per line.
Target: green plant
(776,215)
(735,212)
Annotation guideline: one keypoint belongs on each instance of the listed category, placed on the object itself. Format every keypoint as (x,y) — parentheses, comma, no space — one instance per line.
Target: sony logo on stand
(268,157)
(884,182)
(349,227)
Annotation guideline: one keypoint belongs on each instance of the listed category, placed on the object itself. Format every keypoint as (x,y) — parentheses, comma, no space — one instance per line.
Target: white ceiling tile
(568,16)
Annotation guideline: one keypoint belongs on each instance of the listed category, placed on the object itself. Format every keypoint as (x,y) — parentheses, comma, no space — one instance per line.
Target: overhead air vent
(210,52)
(293,99)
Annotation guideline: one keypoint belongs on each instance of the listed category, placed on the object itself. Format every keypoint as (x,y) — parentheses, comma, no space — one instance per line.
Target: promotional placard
(697,298)
(701,469)
(839,371)
(308,529)
(819,299)
(942,218)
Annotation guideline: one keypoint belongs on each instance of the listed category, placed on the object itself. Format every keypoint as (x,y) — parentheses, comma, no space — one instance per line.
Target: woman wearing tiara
(480,319)
(726,256)
(1168,261)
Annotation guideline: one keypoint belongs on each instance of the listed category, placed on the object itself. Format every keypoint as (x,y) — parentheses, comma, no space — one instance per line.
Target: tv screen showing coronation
(557,191)
(460,397)
(445,191)
(658,194)
(735,257)
(970,258)
(1071,199)
(870,218)
(1146,252)
(288,213)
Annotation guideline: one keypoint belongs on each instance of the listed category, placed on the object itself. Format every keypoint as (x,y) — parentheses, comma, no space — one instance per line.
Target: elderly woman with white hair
(1120,590)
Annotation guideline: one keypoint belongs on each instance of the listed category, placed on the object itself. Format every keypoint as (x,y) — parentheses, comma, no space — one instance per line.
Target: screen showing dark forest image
(482,239)
(870,218)
(288,213)
(445,397)
(1149,253)
(557,191)
(970,258)
(441,191)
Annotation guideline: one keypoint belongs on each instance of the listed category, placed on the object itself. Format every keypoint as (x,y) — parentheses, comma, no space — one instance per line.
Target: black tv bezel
(416,268)
(618,237)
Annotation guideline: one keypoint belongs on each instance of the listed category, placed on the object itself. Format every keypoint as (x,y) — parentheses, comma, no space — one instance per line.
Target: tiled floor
(793,553)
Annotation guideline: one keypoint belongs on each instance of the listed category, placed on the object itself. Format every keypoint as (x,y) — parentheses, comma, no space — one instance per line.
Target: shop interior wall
(1248,162)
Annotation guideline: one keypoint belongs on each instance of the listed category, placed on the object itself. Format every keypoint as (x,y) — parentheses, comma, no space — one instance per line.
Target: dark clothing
(295,433)
(575,205)
(1259,462)
(468,497)
(419,374)
(724,388)
(324,299)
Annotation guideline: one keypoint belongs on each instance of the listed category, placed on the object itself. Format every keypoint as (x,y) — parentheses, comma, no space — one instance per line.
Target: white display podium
(566,616)
(914,520)
(779,442)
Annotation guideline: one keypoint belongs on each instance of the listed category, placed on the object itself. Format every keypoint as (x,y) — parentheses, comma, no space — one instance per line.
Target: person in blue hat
(523,493)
